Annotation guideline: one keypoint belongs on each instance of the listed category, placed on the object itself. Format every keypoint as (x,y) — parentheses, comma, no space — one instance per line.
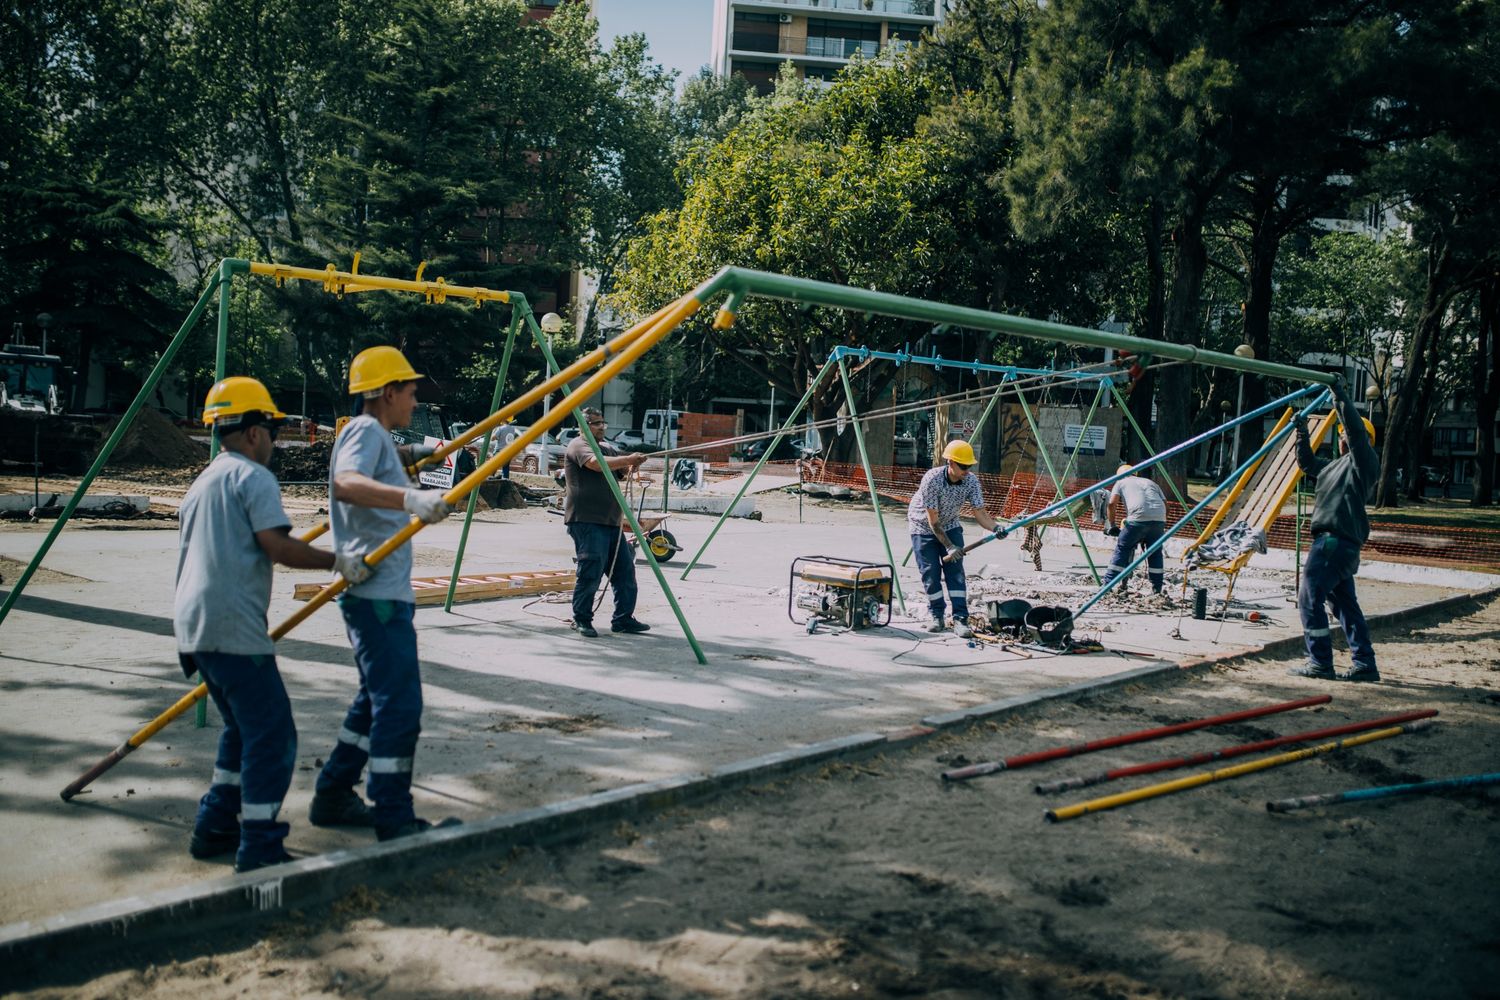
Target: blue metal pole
(1260,453)
(1176,449)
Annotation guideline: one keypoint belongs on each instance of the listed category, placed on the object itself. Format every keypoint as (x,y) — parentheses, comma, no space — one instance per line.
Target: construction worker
(1145,521)
(370,497)
(596,526)
(1339,528)
(232,529)
(936,538)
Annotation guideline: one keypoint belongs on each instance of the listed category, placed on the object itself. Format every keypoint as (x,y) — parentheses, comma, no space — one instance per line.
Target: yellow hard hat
(961,452)
(377,367)
(228,401)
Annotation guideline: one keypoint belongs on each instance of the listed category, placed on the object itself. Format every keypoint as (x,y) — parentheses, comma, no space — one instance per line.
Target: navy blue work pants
(385,718)
(1139,535)
(602,550)
(936,573)
(257,751)
(1328,581)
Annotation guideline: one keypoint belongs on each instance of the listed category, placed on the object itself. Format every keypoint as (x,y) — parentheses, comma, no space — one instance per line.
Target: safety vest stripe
(222,777)
(349,736)
(390,765)
(259,810)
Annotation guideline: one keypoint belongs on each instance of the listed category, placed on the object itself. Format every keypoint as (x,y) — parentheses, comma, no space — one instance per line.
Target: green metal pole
(778,286)
(518,302)
(1056,483)
(791,420)
(221,353)
(148,387)
(614,487)
(864,458)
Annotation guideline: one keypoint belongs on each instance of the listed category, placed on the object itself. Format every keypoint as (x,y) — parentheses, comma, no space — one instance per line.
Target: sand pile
(152,439)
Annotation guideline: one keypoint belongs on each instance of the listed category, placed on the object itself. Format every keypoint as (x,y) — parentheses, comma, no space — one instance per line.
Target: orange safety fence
(1009,497)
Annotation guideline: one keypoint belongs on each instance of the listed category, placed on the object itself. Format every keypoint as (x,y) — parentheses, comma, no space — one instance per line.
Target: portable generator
(839,592)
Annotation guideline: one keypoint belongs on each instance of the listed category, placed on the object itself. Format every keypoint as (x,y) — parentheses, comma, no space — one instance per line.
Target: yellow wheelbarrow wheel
(663,545)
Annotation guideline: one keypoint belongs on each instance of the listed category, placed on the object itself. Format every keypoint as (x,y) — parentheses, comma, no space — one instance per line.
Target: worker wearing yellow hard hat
(370,499)
(937,539)
(232,529)
(1339,528)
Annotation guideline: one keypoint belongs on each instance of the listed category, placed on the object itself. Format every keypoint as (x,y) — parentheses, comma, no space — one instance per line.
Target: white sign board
(1088,440)
(440,476)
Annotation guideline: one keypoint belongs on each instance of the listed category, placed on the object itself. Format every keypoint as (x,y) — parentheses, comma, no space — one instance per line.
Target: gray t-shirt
(588,499)
(366,447)
(1144,501)
(941,494)
(223,575)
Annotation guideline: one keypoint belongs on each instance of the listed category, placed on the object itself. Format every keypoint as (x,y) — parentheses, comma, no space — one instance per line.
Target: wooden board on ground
(474,586)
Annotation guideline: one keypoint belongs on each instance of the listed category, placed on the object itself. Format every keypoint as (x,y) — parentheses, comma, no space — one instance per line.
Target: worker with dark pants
(232,529)
(596,526)
(937,541)
(370,496)
(1339,529)
(1145,521)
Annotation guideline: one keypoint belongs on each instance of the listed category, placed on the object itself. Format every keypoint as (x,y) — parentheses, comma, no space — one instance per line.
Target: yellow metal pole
(338,282)
(1225,773)
(666,321)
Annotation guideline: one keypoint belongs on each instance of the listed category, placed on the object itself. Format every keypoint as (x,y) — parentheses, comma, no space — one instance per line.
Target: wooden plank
(434,589)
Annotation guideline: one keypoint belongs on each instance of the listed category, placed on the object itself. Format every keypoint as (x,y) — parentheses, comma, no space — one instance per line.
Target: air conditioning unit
(786,19)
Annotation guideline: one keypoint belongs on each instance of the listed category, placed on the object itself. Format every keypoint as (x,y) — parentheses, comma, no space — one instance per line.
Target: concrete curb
(30,945)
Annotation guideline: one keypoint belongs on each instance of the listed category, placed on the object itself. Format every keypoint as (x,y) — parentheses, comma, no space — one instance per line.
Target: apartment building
(754,37)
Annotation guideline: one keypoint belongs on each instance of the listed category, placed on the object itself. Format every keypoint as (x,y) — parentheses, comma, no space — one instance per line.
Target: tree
(840,185)
(1449,180)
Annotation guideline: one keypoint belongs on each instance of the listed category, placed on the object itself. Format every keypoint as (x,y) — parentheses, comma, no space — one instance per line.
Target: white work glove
(351,567)
(954,552)
(427,506)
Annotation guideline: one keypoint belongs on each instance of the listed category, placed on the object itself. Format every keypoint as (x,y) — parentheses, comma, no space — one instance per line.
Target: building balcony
(882,8)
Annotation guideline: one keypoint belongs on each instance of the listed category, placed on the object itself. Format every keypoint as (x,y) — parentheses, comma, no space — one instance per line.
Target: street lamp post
(551,323)
(1242,351)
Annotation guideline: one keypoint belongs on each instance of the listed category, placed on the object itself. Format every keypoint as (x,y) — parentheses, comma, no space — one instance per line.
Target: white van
(659,428)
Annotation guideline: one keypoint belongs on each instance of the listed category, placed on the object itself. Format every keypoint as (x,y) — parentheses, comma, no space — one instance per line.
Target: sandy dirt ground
(874,878)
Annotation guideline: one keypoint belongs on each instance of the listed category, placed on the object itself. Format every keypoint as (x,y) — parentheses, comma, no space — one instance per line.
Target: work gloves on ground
(351,567)
(427,506)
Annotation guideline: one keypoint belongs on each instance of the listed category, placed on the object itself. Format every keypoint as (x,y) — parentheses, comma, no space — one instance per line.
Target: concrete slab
(520,713)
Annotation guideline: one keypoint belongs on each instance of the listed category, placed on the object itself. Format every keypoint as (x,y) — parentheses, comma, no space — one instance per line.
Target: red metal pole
(1239,750)
(1141,736)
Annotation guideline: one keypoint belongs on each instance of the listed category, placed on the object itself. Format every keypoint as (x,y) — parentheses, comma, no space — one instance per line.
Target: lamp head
(1244,351)
(552,323)
(1372,392)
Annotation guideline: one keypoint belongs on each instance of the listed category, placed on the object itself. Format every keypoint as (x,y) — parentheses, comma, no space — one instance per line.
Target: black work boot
(342,807)
(208,843)
(1316,671)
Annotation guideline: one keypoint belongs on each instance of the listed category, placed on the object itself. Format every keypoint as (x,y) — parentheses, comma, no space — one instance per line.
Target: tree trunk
(1404,416)
(1487,390)
(1155,323)
(1173,421)
(1265,242)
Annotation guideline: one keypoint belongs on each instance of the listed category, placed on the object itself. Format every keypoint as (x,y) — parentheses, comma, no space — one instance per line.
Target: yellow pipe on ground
(1225,773)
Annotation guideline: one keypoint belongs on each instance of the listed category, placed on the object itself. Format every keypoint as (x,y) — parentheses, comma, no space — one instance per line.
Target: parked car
(629,440)
(788,450)
(542,454)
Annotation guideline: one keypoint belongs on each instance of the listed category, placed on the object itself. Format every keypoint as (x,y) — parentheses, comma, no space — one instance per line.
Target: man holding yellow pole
(232,529)
(370,497)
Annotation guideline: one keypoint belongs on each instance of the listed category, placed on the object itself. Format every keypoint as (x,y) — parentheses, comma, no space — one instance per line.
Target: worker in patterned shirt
(937,540)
